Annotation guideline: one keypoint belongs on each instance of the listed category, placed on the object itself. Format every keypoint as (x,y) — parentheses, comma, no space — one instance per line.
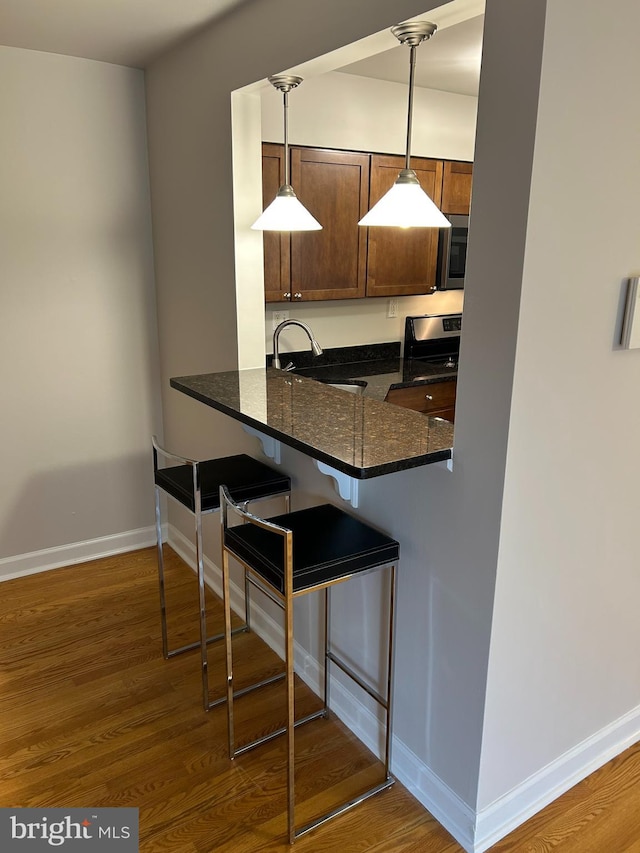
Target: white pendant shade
(406,205)
(286,213)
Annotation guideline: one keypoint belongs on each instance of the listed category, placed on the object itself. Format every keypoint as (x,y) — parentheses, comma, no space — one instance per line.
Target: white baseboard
(477,832)
(540,789)
(75,552)
(445,805)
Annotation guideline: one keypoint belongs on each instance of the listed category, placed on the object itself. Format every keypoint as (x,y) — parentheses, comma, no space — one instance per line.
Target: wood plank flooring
(92,715)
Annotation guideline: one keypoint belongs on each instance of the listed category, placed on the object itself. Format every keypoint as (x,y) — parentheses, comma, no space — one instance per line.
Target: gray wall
(563,691)
(78,350)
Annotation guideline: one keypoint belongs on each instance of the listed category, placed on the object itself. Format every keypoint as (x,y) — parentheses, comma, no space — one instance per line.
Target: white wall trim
(540,789)
(75,552)
(445,805)
(477,833)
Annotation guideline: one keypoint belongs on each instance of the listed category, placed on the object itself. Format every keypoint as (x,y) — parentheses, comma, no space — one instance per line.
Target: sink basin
(355,386)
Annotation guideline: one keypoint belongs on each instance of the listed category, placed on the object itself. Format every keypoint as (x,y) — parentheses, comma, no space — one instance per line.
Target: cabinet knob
(428,397)
(287,295)
(297,295)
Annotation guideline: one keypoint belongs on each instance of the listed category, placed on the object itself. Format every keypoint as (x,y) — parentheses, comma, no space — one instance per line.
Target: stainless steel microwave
(452,253)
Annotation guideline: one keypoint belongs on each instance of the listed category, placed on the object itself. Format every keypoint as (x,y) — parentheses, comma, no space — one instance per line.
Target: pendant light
(406,204)
(286,212)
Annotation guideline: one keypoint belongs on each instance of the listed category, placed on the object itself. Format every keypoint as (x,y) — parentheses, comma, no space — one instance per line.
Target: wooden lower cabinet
(401,262)
(437,399)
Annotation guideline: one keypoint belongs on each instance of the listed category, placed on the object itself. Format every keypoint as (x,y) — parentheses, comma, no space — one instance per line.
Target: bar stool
(288,556)
(196,485)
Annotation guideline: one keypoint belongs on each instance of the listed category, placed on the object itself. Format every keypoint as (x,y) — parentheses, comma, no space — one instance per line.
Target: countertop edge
(310,450)
(416,383)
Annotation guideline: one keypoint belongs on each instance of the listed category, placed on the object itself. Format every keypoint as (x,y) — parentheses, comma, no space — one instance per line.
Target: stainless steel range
(433,338)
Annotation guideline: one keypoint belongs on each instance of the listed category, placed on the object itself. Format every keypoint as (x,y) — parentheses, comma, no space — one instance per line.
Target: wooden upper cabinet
(344,260)
(333,186)
(277,252)
(402,261)
(456,187)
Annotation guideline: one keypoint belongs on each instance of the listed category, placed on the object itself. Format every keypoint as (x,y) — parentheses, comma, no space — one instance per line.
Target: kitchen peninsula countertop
(358,435)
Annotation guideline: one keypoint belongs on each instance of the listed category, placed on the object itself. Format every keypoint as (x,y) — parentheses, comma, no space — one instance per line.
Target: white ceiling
(125,32)
(450,60)
(133,32)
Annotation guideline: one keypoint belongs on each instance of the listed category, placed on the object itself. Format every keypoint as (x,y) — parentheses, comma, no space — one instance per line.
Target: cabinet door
(333,186)
(456,187)
(402,261)
(437,399)
(277,275)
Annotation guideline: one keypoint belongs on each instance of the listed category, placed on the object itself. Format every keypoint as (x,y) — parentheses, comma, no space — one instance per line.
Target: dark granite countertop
(378,367)
(356,434)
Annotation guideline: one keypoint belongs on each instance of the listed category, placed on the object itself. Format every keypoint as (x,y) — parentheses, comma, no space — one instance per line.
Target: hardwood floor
(92,715)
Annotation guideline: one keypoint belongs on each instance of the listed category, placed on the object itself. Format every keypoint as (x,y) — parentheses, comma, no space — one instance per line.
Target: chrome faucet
(316,349)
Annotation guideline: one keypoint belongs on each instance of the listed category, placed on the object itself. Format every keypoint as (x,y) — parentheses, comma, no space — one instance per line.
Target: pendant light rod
(413,34)
(285,109)
(412,68)
(285,83)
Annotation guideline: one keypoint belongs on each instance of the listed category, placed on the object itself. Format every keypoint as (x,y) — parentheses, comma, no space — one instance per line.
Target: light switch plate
(630,337)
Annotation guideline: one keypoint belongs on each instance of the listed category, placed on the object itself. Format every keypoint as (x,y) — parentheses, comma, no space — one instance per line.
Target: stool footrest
(359,681)
(279,677)
(266,738)
(197,645)
(388,782)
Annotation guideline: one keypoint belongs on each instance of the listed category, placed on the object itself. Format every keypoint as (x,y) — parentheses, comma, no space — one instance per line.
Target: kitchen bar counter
(357,435)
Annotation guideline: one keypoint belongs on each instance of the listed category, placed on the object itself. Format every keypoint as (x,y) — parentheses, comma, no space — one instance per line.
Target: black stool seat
(246,478)
(328,544)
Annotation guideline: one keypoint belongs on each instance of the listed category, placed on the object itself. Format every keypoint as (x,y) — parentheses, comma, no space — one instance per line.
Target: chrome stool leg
(390,669)
(327,647)
(163,600)
(291,713)
(228,650)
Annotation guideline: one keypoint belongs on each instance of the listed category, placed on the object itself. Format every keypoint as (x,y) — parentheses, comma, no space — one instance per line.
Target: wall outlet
(278,317)
(392,308)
